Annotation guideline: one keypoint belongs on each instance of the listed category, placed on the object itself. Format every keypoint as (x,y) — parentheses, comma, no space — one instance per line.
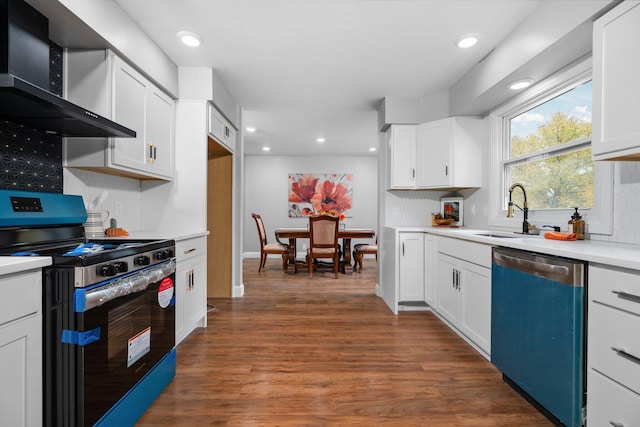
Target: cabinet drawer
(21,295)
(611,329)
(190,248)
(475,253)
(608,403)
(616,287)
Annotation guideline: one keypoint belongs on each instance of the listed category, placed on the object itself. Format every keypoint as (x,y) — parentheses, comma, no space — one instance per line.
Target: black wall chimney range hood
(24,72)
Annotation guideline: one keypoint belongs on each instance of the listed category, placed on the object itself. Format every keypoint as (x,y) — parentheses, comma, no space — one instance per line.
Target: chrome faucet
(524,208)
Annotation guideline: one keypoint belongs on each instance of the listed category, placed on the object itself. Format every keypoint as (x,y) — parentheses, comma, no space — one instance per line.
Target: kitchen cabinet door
(160,132)
(448,154)
(448,302)
(411,267)
(616,88)
(21,349)
(129,109)
(430,255)
(433,154)
(220,129)
(191,286)
(475,304)
(402,155)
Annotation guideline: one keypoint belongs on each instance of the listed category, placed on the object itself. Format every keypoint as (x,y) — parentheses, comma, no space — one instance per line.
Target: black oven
(103,339)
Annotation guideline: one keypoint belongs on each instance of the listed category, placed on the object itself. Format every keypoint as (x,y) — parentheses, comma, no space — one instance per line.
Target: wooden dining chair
(277,248)
(362,249)
(323,241)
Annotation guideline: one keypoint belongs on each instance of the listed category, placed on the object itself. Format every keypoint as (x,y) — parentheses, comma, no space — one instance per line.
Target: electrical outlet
(117,208)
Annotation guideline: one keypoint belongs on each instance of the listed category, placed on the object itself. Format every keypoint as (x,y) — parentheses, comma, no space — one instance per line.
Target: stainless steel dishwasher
(537,339)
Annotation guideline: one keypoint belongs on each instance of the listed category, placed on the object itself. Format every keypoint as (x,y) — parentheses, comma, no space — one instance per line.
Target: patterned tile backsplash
(31,160)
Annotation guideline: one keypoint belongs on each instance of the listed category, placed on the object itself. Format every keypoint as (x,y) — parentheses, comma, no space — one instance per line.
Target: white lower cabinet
(411,267)
(21,349)
(463,289)
(191,286)
(430,269)
(613,348)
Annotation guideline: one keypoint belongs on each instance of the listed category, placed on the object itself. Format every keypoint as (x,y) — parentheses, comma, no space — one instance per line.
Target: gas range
(108,310)
(95,261)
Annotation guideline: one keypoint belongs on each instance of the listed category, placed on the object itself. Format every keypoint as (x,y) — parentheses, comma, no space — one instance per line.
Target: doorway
(219,219)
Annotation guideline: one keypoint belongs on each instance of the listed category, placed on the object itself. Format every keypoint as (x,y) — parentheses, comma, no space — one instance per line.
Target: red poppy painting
(311,194)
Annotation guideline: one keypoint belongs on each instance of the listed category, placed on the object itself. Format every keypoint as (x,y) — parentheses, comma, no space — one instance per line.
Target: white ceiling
(302,69)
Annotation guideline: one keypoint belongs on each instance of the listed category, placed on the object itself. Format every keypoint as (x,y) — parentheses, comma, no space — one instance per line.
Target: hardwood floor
(296,351)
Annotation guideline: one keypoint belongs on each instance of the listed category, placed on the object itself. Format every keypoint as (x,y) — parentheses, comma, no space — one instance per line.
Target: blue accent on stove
(132,405)
(80,338)
(56,209)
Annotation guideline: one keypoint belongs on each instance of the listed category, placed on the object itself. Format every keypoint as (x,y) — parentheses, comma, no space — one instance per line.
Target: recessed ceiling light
(266,148)
(321,140)
(467,41)
(372,149)
(189,38)
(250,129)
(520,84)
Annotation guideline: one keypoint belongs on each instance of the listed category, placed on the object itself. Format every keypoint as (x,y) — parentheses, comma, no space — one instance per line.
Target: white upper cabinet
(616,87)
(116,90)
(402,154)
(448,153)
(220,129)
(444,154)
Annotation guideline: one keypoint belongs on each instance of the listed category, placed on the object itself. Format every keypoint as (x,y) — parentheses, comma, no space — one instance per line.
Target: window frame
(599,218)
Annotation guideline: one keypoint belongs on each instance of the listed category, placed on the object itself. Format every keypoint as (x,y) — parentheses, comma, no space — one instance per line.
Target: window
(549,151)
(542,140)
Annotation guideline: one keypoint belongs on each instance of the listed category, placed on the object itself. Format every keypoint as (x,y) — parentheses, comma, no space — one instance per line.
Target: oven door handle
(138,282)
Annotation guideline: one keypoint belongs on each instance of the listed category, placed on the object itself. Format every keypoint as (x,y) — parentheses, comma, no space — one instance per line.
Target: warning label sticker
(165,292)
(138,346)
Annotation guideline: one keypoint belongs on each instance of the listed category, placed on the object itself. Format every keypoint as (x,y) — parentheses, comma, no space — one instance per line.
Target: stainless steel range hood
(24,72)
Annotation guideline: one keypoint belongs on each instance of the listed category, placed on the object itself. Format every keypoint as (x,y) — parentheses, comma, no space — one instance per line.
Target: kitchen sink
(500,235)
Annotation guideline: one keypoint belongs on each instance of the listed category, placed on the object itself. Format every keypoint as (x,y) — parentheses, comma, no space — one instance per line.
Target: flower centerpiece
(333,212)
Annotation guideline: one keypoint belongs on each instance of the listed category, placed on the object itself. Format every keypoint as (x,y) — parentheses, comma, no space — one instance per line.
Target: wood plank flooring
(296,351)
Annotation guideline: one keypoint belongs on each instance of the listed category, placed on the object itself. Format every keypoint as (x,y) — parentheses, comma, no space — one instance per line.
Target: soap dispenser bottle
(576,225)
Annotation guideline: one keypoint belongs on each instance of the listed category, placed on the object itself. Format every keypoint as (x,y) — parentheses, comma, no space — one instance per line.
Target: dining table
(345,234)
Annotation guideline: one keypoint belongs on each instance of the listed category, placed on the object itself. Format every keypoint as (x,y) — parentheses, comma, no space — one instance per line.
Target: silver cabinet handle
(627,296)
(188,251)
(615,424)
(622,353)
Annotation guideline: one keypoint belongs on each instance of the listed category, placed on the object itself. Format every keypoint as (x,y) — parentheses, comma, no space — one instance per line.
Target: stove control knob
(163,254)
(121,266)
(106,270)
(142,260)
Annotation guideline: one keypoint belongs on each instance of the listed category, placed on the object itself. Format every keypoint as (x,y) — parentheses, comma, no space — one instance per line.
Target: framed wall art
(452,207)
(312,194)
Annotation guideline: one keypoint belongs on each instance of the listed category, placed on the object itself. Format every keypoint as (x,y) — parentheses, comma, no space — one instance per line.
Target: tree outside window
(549,151)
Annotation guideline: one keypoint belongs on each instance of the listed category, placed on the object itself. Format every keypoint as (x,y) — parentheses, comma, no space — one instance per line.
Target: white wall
(266,192)
(626,204)
(123,194)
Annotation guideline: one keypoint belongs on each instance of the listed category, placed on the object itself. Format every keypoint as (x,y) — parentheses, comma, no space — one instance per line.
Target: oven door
(124,328)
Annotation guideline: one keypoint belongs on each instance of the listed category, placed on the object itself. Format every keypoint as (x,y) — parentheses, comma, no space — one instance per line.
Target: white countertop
(13,264)
(614,254)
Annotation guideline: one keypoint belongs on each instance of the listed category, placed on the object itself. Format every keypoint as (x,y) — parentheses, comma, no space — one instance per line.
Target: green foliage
(556,182)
